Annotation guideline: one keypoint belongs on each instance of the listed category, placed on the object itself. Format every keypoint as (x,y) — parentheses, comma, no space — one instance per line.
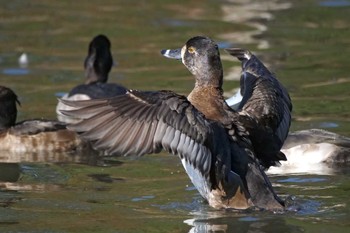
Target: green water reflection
(305,43)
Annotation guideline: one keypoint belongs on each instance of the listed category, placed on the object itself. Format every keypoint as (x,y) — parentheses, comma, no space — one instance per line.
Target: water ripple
(335,3)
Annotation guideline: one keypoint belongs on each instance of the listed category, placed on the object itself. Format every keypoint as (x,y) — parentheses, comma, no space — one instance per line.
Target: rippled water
(83,193)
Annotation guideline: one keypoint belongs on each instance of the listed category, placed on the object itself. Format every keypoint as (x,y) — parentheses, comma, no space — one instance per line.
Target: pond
(306,43)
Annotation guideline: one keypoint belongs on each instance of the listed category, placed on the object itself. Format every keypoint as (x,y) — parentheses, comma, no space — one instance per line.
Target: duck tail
(241,54)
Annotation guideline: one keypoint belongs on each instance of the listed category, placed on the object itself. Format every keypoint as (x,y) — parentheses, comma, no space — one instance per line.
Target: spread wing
(266,104)
(139,123)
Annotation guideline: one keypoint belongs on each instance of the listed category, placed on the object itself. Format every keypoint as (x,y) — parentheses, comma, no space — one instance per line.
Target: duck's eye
(191,49)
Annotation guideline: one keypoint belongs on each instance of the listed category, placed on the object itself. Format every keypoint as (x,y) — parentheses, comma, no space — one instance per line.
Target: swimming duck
(213,145)
(32,135)
(314,151)
(98,64)
(265,108)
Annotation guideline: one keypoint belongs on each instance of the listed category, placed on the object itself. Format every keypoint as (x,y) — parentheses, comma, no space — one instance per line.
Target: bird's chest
(208,104)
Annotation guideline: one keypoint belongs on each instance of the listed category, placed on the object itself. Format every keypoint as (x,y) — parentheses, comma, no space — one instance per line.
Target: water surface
(83,193)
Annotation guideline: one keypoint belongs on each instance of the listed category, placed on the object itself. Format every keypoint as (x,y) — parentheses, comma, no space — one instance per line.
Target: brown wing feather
(265,108)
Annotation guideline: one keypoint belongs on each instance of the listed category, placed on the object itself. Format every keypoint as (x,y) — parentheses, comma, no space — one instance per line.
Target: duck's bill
(172,53)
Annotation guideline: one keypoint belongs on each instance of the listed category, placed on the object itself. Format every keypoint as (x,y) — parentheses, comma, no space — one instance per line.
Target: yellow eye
(191,49)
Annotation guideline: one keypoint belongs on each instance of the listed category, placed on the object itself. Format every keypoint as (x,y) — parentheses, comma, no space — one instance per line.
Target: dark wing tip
(241,54)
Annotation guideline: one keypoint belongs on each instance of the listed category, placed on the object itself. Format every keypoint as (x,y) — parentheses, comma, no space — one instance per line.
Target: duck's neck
(93,77)
(209,100)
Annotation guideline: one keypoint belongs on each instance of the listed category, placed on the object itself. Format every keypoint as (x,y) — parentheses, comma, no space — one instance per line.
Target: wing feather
(265,107)
(139,123)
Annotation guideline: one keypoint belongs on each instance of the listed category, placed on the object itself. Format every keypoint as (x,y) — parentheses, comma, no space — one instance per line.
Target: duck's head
(8,108)
(99,60)
(201,56)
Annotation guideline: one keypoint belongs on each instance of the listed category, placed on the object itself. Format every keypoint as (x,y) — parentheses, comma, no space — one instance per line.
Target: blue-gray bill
(172,53)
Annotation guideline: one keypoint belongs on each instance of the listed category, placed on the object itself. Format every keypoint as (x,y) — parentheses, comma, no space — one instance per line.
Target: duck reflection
(9,172)
(88,157)
(238,222)
(14,165)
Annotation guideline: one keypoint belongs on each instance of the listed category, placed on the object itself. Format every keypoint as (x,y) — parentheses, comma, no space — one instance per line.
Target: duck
(314,151)
(37,135)
(212,144)
(97,65)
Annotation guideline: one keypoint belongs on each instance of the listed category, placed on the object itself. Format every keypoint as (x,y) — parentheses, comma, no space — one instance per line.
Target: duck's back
(39,135)
(97,90)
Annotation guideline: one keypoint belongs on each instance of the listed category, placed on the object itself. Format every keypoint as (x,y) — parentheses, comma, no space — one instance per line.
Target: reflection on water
(142,198)
(9,172)
(239,222)
(86,157)
(253,14)
(335,3)
(14,165)
(308,204)
(21,70)
(15,71)
(251,225)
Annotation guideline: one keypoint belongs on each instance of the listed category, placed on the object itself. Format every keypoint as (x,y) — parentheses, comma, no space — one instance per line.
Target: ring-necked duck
(98,64)
(32,135)
(202,130)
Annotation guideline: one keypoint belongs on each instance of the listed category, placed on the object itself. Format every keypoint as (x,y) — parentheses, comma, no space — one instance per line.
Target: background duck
(97,65)
(214,147)
(314,151)
(32,135)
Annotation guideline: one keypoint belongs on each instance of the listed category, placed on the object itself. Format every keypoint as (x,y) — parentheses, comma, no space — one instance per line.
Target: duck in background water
(310,151)
(32,135)
(208,136)
(314,151)
(98,64)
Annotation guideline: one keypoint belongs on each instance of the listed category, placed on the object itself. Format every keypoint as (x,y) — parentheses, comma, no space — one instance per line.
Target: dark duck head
(8,107)
(214,147)
(99,60)
(201,57)
(97,65)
